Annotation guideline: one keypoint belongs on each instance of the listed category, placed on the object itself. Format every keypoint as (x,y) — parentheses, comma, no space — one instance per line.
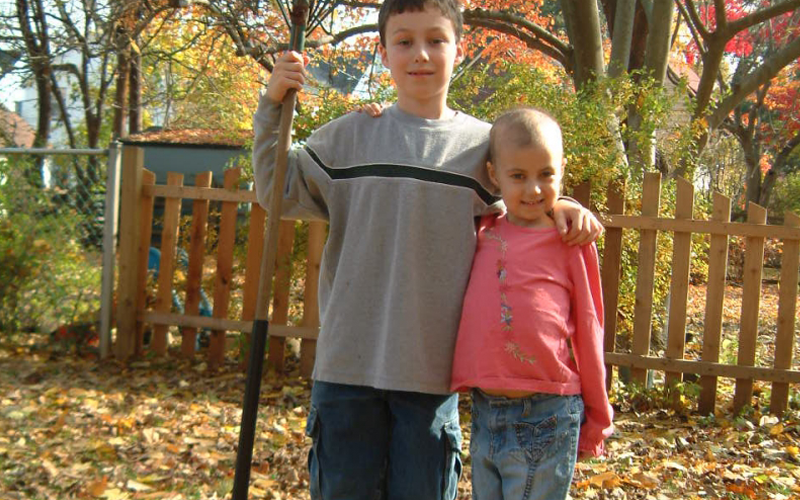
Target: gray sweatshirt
(400,194)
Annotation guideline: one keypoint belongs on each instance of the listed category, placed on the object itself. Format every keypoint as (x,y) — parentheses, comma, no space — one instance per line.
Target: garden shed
(190,151)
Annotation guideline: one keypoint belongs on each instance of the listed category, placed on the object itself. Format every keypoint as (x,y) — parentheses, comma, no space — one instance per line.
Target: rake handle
(244,454)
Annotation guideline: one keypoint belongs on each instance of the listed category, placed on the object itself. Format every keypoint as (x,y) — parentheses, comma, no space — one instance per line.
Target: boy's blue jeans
(377,444)
(524,448)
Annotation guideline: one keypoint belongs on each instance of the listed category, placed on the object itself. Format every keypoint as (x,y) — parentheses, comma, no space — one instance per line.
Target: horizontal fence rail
(139,191)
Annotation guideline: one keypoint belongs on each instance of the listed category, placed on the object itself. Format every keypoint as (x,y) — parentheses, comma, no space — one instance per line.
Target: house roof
(14,130)
(196,138)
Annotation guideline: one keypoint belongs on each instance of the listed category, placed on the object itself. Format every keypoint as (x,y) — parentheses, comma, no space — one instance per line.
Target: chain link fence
(52,216)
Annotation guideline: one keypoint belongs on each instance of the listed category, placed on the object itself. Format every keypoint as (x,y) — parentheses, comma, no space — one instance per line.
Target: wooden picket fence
(139,191)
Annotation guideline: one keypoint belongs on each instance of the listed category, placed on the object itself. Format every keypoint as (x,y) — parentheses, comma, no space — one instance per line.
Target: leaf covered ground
(73,428)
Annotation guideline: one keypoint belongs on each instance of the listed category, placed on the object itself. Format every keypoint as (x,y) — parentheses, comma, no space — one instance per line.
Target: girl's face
(529,179)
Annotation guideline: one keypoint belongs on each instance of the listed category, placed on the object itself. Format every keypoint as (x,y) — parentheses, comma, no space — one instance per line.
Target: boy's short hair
(521,127)
(451,9)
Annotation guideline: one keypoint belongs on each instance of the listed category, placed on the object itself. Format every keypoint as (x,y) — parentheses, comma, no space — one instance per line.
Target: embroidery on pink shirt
(506,315)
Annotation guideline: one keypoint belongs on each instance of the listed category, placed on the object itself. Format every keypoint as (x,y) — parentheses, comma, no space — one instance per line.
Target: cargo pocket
(312,431)
(452,469)
(534,439)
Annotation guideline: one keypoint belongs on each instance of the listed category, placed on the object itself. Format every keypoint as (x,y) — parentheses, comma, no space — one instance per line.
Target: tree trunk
(622,37)
(121,92)
(583,29)
(135,94)
(778,166)
(31,18)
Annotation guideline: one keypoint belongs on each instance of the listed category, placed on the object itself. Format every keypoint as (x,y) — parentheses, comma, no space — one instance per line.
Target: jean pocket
(535,438)
(312,431)
(453,466)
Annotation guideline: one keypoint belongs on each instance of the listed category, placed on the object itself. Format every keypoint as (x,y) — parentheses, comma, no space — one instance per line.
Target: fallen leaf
(97,488)
(137,486)
(606,480)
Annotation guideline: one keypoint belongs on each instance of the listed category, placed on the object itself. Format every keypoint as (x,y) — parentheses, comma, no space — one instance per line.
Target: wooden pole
(244,456)
(132,168)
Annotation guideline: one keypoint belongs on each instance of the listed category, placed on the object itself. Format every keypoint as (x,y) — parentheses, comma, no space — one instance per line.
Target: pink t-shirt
(532,320)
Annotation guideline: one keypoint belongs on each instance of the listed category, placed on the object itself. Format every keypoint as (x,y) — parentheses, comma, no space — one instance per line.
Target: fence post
(751,299)
(643,310)
(131,188)
(280,296)
(316,242)
(612,258)
(110,224)
(145,208)
(787,305)
(582,193)
(222,289)
(679,287)
(166,266)
(194,275)
(715,298)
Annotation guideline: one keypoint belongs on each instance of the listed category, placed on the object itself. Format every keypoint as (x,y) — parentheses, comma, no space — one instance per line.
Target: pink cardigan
(532,320)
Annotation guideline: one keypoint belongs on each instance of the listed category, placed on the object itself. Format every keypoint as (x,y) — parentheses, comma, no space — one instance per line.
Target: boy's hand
(288,73)
(577,225)
(373,109)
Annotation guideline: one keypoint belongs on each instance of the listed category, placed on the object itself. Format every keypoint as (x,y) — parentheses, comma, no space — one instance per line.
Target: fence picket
(317,232)
(787,310)
(226,242)
(194,275)
(255,247)
(280,296)
(582,193)
(715,298)
(751,299)
(129,237)
(143,251)
(679,288)
(612,260)
(166,267)
(643,310)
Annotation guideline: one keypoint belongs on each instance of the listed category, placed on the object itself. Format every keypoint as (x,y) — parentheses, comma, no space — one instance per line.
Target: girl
(530,341)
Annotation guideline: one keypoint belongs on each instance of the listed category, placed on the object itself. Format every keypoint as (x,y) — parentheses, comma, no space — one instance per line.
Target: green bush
(47,277)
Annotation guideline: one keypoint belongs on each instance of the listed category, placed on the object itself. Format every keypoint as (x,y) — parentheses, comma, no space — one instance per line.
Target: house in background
(15,132)
(190,151)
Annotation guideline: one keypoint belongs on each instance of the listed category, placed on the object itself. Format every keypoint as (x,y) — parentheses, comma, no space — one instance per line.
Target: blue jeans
(383,445)
(525,448)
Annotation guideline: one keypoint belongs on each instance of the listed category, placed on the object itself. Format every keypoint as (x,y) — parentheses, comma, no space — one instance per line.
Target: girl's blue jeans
(524,448)
(376,444)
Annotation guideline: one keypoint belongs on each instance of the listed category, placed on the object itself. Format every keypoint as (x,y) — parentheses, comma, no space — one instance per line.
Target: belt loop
(526,407)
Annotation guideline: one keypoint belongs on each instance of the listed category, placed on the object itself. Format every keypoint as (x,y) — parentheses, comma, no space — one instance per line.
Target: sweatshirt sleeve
(587,345)
(306,183)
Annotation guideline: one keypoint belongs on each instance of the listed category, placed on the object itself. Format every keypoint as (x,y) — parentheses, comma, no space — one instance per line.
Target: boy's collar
(404,115)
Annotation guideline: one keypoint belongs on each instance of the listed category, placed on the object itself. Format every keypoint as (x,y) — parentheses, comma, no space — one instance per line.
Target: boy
(400,193)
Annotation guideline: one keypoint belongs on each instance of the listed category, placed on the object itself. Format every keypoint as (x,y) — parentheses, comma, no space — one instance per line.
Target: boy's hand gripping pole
(244,454)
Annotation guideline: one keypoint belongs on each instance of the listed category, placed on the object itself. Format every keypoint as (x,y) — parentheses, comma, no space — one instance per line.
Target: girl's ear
(492,174)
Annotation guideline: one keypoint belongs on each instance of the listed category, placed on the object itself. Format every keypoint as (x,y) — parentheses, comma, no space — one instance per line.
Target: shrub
(47,277)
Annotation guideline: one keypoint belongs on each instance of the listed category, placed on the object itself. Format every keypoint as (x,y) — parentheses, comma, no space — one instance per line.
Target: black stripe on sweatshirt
(405,171)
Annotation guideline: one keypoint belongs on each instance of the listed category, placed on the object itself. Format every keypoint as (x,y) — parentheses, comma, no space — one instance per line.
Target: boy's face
(529,179)
(421,51)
